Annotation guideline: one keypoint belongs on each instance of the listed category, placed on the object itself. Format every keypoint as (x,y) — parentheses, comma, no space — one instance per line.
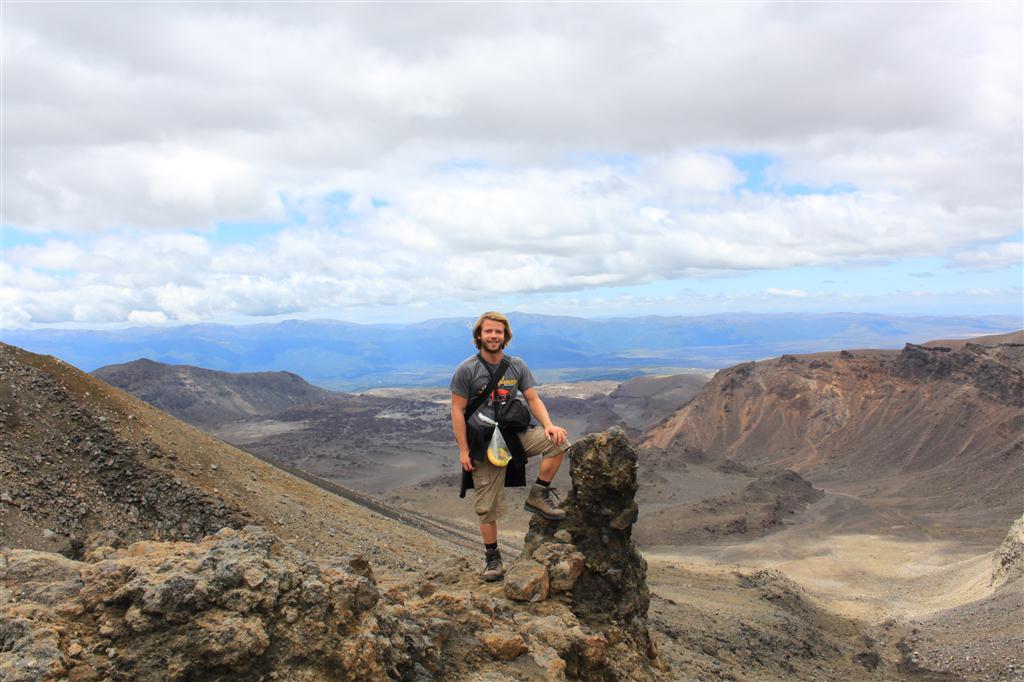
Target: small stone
(213,467)
(6,498)
(49,534)
(503,645)
(253,577)
(75,650)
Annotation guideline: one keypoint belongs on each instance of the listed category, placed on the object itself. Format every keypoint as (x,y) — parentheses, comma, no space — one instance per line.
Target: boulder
(527,580)
(563,562)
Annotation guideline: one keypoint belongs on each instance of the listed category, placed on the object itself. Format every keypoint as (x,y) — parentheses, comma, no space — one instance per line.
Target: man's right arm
(459,427)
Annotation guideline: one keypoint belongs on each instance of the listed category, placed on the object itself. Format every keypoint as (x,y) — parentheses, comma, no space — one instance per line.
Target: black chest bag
(511,415)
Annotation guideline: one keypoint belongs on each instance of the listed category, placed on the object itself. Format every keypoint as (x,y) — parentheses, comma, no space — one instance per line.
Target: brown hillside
(79,456)
(932,428)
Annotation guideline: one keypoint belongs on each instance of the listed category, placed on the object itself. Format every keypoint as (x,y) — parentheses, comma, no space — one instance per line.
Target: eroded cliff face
(1008,559)
(244,605)
(928,423)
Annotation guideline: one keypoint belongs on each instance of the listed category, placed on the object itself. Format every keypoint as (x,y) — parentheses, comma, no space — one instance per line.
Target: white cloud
(518,148)
(147,317)
(55,254)
(484,232)
(171,115)
(990,258)
(787,293)
(689,172)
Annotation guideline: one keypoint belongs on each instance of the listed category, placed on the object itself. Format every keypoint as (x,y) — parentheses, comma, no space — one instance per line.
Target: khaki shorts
(489,480)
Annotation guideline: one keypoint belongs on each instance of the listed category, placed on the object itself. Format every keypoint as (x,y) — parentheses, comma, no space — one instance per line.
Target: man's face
(492,336)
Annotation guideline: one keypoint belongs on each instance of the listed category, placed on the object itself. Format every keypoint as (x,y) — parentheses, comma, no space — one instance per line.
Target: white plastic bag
(497,450)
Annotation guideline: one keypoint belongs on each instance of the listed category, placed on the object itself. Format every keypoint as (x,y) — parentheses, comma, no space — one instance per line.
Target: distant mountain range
(347,356)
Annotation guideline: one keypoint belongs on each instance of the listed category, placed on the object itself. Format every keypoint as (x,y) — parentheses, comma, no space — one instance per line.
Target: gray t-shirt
(471,378)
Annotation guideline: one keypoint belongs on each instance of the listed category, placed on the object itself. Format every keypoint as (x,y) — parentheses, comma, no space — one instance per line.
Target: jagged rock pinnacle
(591,555)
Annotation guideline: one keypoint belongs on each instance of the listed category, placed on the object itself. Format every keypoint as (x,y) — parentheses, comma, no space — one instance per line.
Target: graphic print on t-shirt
(505,391)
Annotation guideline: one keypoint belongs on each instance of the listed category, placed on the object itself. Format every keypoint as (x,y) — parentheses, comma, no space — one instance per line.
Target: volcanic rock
(564,564)
(242,605)
(1008,560)
(609,592)
(527,580)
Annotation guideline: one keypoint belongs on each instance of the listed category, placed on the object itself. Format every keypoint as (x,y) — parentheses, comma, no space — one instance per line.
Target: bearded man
(475,416)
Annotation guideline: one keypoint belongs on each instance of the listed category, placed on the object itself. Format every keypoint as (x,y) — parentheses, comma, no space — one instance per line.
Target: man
(491,334)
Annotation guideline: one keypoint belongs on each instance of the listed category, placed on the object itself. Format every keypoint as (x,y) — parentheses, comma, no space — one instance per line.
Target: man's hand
(556,434)
(464,459)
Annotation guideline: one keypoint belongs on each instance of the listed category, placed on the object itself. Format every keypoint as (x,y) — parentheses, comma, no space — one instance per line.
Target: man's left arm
(556,434)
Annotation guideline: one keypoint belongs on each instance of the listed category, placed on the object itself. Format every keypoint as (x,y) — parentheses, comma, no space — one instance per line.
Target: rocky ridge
(916,428)
(982,639)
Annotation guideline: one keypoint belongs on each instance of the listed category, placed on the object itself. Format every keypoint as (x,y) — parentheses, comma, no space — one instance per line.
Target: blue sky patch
(754,166)
(243,232)
(11,237)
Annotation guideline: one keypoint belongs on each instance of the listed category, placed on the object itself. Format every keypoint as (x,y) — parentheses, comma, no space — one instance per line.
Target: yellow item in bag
(497,450)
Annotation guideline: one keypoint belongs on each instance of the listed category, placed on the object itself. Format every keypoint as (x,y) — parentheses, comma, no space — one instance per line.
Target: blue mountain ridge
(348,356)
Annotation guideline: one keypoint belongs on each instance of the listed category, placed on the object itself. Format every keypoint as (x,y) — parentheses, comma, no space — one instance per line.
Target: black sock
(541,481)
(490,545)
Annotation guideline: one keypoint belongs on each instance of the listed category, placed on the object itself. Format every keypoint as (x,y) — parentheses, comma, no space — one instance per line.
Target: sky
(167,163)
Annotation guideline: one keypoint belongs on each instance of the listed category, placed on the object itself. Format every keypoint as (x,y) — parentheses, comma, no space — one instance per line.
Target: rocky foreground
(244,605)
